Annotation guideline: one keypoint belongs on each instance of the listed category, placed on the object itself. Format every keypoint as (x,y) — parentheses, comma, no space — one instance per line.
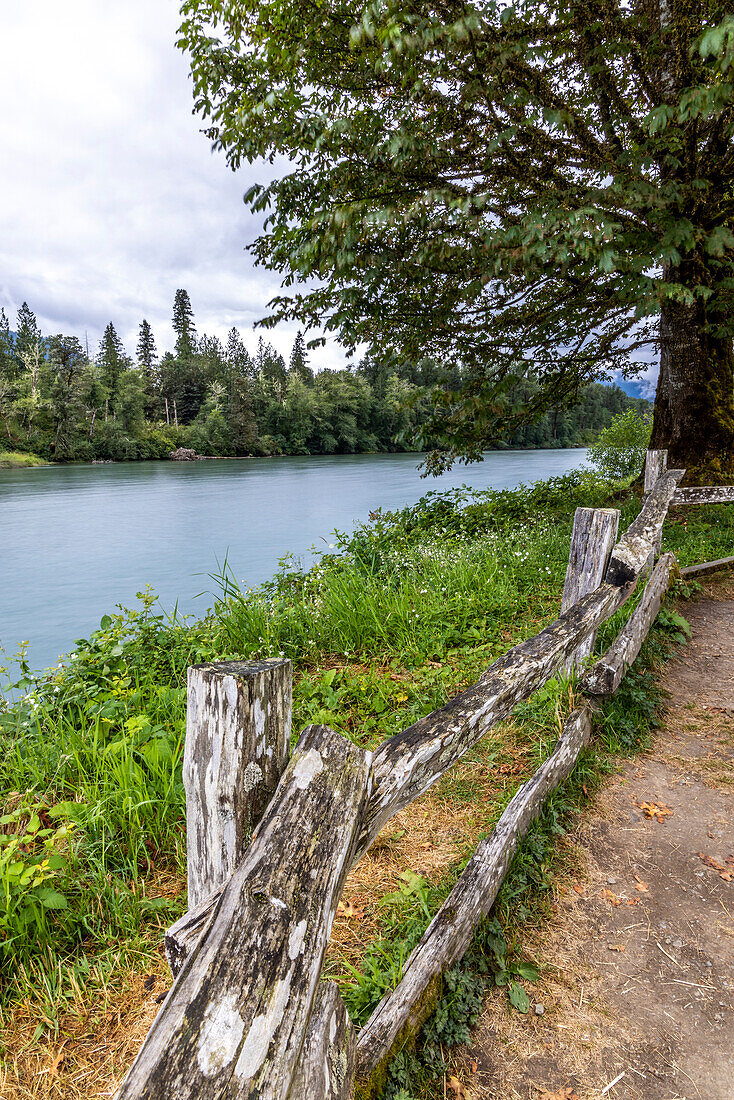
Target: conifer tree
(238,358)
(68,363)
(111,362)
(183,326)
(146,350)
(298,365)
(30,348)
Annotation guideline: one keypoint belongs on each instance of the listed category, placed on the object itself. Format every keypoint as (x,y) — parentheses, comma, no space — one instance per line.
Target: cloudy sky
(110,197)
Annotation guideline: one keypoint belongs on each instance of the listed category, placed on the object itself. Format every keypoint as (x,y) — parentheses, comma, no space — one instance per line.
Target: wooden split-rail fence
(271,838)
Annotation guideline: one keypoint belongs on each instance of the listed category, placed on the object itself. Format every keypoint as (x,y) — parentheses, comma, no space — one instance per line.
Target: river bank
(386,626)
(17,460)
(12,460)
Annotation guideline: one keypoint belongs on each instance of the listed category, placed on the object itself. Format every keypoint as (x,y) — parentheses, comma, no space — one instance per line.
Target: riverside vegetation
(402,614)
(60,404)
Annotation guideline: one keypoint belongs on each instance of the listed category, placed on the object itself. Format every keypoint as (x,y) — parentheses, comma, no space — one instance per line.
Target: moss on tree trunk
(694,403)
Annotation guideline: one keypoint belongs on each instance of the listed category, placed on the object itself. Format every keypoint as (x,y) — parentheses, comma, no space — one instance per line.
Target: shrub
(619,451)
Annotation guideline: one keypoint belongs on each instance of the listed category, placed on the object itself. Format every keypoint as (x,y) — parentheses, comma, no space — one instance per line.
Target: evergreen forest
(61,403)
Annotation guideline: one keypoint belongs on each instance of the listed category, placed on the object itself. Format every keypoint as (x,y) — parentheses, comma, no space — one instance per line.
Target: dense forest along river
(75,541)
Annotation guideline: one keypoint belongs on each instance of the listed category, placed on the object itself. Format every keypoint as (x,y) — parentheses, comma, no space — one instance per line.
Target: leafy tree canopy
(544,189)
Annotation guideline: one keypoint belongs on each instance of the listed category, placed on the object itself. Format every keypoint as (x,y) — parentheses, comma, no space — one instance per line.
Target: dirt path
(639,985)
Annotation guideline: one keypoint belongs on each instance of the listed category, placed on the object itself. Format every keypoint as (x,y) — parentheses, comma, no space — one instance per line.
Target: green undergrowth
(387,625)
(14,460)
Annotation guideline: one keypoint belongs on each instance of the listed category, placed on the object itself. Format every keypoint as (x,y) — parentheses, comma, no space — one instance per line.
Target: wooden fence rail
(271,840)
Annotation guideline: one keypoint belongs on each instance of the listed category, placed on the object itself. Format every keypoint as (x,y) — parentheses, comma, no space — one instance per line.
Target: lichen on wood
(326,1068)
(704,494)
(606,675)
(656,463)
(637,545)
(450,932)
(592,540)
(235,1021)
(238,725)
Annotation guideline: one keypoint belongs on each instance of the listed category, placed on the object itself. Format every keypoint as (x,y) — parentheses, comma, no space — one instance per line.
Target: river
(75,541)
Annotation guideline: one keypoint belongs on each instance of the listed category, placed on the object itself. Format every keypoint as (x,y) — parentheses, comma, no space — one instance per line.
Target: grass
(400,615)
(15,460)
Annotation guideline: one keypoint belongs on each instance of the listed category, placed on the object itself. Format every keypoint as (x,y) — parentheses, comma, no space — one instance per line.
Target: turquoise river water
(75,541)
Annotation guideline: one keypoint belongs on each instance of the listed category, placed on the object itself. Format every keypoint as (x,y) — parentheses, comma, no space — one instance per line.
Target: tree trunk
(694,402)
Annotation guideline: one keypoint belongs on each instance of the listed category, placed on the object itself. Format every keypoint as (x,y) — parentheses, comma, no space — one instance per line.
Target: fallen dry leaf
(611,898)
(57,1060)
(461,1092)
(578,888)
(617,947)
(510,769)
(655,810)
(641,886)
(349,910)
(728,876)
(566,1093)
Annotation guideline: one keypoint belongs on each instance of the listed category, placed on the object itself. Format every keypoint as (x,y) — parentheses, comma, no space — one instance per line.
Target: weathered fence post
(237,735)
(656,463)
(235,1021)
(594,535)
(606,675)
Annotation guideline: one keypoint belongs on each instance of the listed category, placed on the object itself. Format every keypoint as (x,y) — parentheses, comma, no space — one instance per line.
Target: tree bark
(694,402)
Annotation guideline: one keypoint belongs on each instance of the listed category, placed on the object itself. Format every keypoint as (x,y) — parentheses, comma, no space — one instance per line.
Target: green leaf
(157,751)
(105,622)
(56,862)
(69,811)
(528,971)
(518,997)
(51,899)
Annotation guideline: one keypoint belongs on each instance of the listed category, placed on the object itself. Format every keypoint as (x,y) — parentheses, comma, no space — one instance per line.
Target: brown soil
(637,985)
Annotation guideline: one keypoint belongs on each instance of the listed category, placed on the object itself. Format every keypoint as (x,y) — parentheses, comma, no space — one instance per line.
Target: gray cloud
(110,197)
